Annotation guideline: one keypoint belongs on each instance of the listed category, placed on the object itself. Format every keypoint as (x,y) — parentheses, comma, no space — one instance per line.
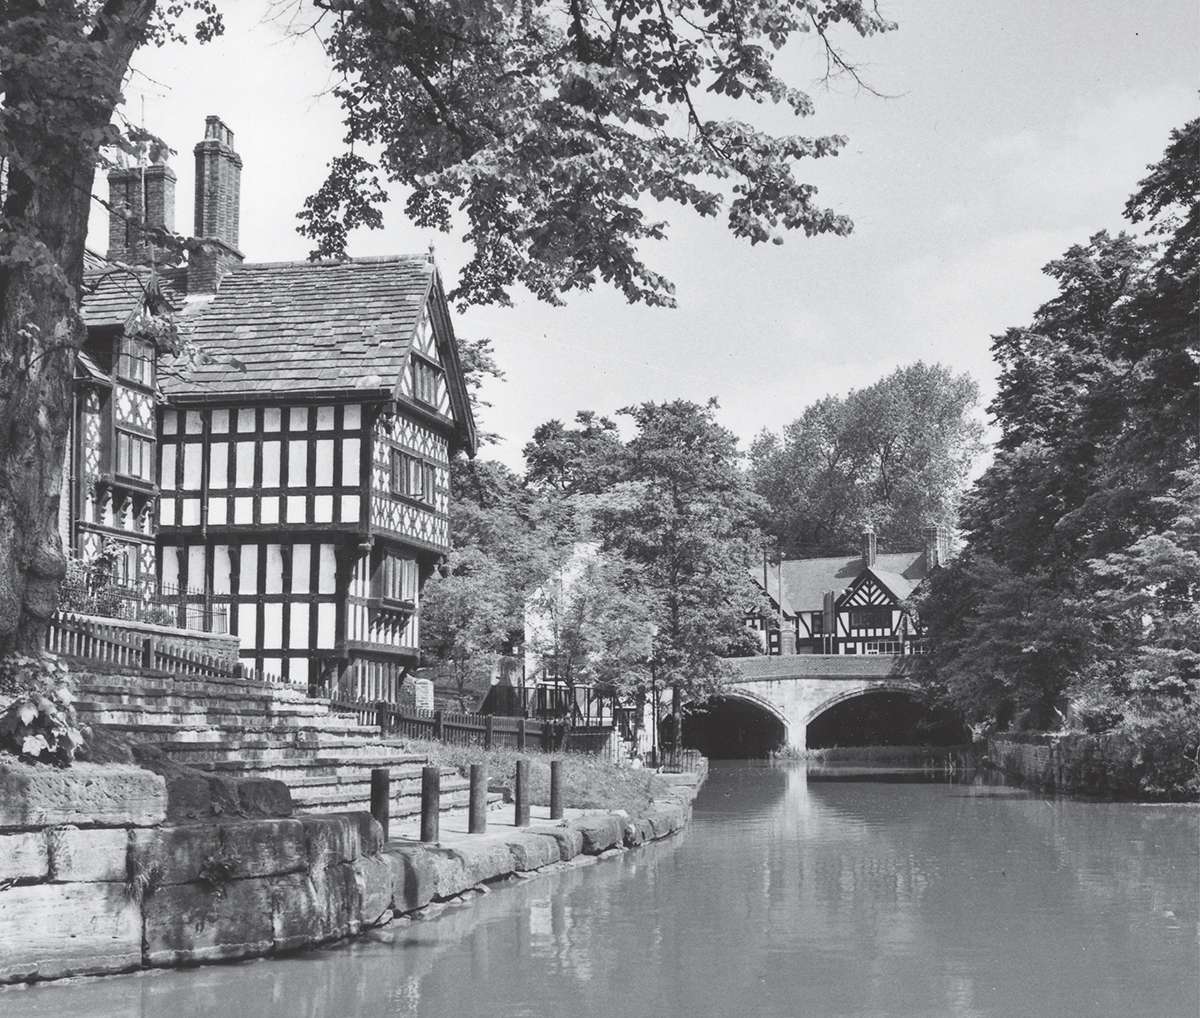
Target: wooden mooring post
(477,821)
(521,795)
(431,805)
(381,806)
(556,805)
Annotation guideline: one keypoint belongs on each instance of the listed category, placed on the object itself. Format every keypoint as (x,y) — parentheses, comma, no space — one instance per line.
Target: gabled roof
(306,327)
(806,580)
(284,329)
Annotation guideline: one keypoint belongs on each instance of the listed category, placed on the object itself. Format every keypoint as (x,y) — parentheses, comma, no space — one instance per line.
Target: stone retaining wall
(92,881)
(1104,765)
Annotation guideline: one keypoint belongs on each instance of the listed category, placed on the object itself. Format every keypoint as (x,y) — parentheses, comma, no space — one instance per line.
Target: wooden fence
(87,639)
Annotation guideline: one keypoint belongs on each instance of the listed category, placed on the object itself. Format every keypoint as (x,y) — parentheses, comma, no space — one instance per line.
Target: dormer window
(135,361)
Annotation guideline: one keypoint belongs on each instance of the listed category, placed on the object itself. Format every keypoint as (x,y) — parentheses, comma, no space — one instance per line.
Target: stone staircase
(247,728)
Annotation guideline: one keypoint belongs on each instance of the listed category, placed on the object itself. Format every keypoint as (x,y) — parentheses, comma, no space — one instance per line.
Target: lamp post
(653,702)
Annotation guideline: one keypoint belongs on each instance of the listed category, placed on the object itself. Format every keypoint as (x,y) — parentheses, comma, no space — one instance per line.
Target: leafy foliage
(1081,581)
(548,124)
(37,725)
(894,456)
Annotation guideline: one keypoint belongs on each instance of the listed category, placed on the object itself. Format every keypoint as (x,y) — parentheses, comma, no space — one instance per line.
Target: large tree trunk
(58,101)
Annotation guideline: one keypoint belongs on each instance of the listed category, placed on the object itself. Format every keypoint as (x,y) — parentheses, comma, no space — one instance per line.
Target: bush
(37,722)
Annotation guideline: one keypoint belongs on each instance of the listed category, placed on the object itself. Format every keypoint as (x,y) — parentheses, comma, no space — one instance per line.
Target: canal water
(792,893)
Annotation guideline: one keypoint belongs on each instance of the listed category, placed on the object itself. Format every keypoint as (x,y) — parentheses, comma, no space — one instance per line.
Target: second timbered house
(856,605)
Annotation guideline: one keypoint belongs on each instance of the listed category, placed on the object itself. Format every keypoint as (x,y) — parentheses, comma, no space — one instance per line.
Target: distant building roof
(806,580)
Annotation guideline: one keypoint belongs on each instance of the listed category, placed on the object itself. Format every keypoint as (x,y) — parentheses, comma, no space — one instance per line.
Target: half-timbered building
(297,472)
(857,605)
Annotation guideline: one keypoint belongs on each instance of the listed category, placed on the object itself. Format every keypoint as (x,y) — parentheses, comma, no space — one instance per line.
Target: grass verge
(588,782)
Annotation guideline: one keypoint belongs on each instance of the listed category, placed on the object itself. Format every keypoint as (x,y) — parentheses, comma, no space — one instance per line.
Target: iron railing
(163,606)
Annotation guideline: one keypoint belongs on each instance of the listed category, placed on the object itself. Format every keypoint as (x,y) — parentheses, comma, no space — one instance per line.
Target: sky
(1001,134)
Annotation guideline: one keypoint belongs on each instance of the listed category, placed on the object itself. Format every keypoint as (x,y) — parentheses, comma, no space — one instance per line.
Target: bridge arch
(737,723)
(842,695)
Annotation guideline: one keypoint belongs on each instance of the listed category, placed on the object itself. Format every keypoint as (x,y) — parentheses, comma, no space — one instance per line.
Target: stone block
(264,797)
(373,875)
(330,839)
(24,856)
(600,832)
(638,831)
(101,795)
(223,796)
(532,850)
(188,798)
(174,855)
(414,878)
(370,833)
(86,856)
(338,899)
(189,923)
(48,931)
(460,868)
(298,919)
(570,841)
(264,848)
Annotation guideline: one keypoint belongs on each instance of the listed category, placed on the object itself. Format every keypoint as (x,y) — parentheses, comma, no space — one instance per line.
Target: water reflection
(791,894)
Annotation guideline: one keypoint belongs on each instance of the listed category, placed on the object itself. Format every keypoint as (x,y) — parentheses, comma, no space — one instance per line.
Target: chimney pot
(217,211)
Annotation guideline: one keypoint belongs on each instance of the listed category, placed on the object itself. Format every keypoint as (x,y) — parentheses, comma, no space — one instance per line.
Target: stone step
(292,713)
(288,771)
(233,723)
(232,689)
(194,754)
(404,803)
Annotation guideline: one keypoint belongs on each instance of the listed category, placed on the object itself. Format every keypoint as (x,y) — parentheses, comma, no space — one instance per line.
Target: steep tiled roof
(111,295)
(306,327)
(806,580)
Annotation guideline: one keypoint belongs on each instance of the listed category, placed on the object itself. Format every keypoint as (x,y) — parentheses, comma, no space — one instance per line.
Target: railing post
(489,726)
(381,716)
(439,725)
(381,807)
(148,652)
(431,806)
(477,823)
(521,796)
(556,806)
(520,734)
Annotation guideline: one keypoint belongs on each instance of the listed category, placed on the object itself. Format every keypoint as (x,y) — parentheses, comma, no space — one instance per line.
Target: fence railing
(72,636)
(164,606)
(484,730)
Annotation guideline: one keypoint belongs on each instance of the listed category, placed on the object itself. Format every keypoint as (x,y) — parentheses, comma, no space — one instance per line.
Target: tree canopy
(1078,583)
(550,124)
(894,456)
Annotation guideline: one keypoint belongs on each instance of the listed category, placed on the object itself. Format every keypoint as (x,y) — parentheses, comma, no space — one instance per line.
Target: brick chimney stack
(146,196)
(868,548)
(937,547)
(218,208)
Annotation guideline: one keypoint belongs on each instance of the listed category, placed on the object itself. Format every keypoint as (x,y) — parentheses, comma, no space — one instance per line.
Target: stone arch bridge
(795,689)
